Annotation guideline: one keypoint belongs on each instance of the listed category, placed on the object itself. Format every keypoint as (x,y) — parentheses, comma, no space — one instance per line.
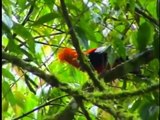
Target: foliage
(34,31)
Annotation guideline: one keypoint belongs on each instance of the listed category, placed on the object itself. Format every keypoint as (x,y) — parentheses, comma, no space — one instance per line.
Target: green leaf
(50,4)
(26,35)
(119,47)
(88,28)
(132,5)
(6,6)
(6,30)
(30,57)
(13,47)
(118,4)
(8,74)
(22,5)
(46,18)
(20,99)
(149,112)
(7,93)
(144,36)
(5,106)
(111,55)
(154,66)
(83,38)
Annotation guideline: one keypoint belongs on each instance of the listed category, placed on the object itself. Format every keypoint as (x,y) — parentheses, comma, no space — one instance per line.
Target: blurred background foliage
(34,30)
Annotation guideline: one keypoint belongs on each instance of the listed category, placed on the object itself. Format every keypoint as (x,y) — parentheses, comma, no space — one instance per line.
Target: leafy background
(34,31)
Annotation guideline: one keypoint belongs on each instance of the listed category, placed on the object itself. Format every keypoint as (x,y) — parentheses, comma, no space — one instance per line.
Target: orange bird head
(69,55)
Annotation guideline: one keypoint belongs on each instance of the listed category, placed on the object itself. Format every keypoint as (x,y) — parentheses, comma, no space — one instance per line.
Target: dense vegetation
(37,86)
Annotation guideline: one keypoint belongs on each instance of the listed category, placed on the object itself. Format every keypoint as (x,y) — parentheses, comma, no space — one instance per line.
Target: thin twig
(39,107)
(53,34)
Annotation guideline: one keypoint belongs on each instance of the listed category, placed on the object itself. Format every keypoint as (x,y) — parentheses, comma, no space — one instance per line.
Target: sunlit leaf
(50,3)
(22,4)
(20,99)
(6,6)
(5,105)
(17,110)
(7,93)
(8,74)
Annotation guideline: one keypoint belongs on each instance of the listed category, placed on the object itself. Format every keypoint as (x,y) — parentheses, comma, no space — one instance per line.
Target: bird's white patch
(101,49)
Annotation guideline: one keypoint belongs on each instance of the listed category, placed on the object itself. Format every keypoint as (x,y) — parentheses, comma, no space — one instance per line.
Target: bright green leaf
(8,74)
(22,4)
(7,93)
(6,7)
(5,105)
(50,3)
(20,99)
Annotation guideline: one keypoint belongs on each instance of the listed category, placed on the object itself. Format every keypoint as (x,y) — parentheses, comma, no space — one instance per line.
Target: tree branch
(128,66)
(51,79)
(106,96)
(80,103)
(39,107)
(152,20)
(83,61)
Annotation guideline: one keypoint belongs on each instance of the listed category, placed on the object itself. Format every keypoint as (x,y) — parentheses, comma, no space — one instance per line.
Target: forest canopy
(38,84)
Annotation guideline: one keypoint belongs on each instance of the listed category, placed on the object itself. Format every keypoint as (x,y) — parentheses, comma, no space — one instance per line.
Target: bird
(97,57)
